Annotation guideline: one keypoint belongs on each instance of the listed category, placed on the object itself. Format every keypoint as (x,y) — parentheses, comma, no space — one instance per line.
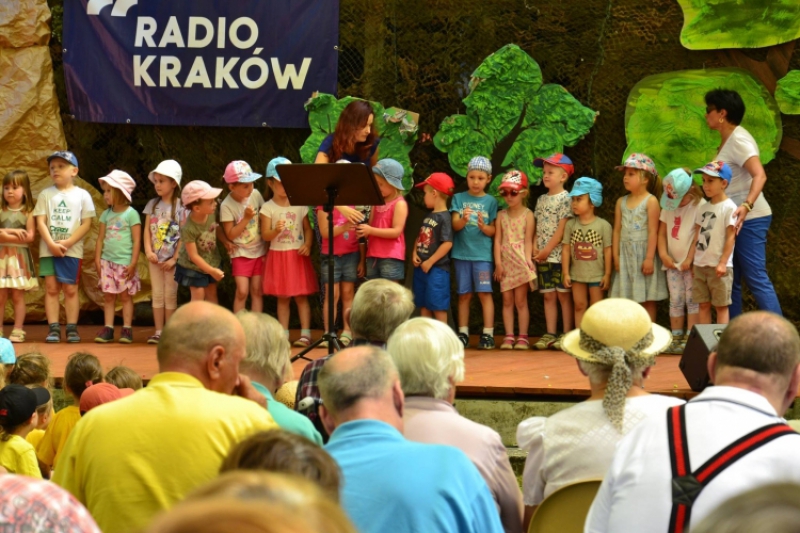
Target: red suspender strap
(686,486)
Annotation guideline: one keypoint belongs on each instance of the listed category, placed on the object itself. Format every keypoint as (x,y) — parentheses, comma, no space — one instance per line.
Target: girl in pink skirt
(288,273)
(16,264)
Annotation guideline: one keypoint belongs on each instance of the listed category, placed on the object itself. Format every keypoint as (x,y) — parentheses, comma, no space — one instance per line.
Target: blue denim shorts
(473,276)
(385,268)
(432,290)
(192,278)
(345,267)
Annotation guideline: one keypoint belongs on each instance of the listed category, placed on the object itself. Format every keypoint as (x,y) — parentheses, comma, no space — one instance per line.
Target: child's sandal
(303,342)
(508,343)
(522,344)
(345,339)
(17,335)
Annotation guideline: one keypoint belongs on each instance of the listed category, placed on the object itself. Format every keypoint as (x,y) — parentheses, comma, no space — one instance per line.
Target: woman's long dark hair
(354,117)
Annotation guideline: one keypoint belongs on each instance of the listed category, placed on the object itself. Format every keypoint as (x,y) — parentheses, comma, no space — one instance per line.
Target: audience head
(360,383)
(47,507)
(8,357)
(205,341)
(267,360)
(18,405)
(31,369)
(761,349)
(429,358)
(124,377)
(100,394)
(615,345)
(44,411)
(774,508)
(379,307)
(83,370)
(289,453)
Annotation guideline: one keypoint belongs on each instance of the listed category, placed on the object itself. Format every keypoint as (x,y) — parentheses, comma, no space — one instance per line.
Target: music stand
(329,185)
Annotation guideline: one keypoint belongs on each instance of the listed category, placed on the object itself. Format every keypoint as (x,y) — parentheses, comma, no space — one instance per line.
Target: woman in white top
(615,348)
(724,112)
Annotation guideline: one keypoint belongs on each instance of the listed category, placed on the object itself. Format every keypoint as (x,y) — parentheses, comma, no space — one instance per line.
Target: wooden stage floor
(500,374)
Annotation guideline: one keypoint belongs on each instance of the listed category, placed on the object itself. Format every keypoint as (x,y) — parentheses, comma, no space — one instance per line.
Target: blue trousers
(750,266)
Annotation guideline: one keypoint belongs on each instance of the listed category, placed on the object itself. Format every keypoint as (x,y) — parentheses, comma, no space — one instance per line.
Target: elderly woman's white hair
(429,357)
(267,348)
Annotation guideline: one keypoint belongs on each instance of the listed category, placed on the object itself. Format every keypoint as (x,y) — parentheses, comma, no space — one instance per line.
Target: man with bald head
(130,459)
(669,473)
(391,484)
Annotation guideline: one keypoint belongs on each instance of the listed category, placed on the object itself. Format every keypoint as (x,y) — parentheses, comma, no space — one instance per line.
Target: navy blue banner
(199,62)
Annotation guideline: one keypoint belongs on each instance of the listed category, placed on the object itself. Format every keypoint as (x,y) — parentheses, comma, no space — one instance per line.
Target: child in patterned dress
(514,269)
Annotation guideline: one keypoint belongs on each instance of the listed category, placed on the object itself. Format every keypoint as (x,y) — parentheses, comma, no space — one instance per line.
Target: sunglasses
(506,192)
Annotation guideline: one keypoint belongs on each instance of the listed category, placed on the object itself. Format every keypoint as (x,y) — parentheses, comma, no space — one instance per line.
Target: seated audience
(289,453)
(35,506)
(268,366)
(379,307)
(661,478)
(100,394)
(430,360)
(124,378)
(615,348)
(141,454)
(18,417)
(33,370)
(8,357)
(773,508)
(390,483)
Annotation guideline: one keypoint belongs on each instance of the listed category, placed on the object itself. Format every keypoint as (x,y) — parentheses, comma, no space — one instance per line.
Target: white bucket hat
(170,168)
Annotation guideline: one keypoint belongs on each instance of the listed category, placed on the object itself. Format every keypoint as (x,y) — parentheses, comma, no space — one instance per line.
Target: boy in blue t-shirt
(474,213)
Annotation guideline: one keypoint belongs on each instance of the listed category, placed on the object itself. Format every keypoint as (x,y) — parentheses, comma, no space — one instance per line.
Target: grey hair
(428,355)
(774,508)
(379,307)
(371,378)
(267,347)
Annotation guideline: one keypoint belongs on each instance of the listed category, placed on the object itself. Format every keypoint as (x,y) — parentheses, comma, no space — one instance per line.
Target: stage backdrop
(198,62)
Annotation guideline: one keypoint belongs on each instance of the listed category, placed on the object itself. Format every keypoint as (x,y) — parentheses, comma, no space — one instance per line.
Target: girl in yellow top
(82,371)
(17,419)
(33,370)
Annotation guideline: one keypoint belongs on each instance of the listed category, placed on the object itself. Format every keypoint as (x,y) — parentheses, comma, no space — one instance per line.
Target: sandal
(508,343)
(303,342)
(345,339)
(522,344)
(17,335)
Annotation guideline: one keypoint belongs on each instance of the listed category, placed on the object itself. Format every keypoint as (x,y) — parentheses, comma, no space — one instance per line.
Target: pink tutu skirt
(112,279)
(16,268)
(289,274)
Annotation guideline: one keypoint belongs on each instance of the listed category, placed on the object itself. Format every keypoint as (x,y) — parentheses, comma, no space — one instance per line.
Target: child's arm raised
(267,233)
(233,231)
(498,245)
(398,225)
(663,252)
(653,213)
(136,233)
(98,247)
(617,232)
(199,262)
(308,236)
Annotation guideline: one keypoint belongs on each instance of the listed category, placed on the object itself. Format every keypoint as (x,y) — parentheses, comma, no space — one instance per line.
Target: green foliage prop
(512,117)
(787,93)
(397,130)
(665,116)
(715,24)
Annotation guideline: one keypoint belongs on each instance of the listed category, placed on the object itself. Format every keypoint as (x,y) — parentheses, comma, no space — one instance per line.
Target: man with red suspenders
(669,473)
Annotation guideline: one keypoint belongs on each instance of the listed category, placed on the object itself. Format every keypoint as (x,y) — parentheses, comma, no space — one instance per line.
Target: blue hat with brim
(718,169)
(391,171)
(676,184)
(272,172)
(69,157)
(7,354)
(589,186)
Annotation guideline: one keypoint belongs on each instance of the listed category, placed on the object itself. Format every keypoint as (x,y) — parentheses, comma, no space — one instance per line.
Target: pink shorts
(247,267)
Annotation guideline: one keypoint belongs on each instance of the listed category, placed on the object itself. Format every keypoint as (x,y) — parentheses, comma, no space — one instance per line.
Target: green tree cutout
(787,93)
(512,117)
(396,128)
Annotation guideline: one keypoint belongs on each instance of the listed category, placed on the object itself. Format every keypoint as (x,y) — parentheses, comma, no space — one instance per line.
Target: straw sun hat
(617,333)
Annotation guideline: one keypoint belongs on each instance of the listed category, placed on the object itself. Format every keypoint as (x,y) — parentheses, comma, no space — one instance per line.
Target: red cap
(101,393)
(441,182)
(515,180)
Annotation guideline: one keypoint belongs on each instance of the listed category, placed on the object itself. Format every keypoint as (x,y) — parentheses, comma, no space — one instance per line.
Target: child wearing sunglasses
(514,269)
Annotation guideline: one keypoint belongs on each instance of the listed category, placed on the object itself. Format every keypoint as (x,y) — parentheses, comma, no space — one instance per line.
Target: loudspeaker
(694,362)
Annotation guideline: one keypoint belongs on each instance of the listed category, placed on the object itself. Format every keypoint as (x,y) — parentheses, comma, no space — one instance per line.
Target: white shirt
(714,220)
(64,212)
(680,229)
(292,237)
(577,443)
(740,147)
(249,243)
(636,494)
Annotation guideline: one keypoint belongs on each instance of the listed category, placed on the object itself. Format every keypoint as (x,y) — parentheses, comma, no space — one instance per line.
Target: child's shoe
(522,343)
(546,342)
(17,335)
(486,342)
(557,344)
(105,335)
(127,336)
(54,334)
(508,343)
(303,342)
(153,339)
(464,338)
(72,333)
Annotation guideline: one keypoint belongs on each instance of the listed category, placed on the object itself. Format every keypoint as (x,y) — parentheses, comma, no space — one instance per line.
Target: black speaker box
(702,341)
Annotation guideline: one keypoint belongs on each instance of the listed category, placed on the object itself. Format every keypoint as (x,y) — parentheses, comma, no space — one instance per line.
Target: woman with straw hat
(615,348)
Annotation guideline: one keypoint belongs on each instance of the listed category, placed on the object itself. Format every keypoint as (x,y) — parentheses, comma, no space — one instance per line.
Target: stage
(500,374)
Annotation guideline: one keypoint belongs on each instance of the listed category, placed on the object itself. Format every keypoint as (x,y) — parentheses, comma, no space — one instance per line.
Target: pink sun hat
(198,190)
(120,180)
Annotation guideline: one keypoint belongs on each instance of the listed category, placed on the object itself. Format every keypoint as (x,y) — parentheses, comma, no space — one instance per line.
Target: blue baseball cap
(69,157)
(272,172)
(391,171)
(718,169)
(676,184)
(7,355)
(557,159)
(589,186)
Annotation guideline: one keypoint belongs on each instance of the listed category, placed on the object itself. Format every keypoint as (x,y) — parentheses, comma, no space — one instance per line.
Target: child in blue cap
(586,256)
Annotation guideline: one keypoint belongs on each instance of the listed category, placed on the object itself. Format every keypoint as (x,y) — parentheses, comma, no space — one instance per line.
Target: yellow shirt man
(132,458)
